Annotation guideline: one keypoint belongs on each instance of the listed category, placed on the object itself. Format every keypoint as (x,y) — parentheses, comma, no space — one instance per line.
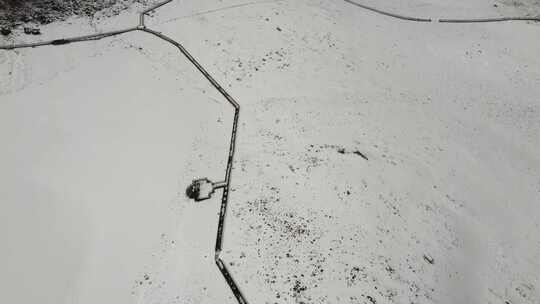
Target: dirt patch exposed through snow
(14,13)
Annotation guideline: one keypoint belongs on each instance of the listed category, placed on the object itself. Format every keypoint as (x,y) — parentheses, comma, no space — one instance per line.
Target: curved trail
(419,19)
(141,25)
(68,40)
(499,19)
(224,199)
(389,14)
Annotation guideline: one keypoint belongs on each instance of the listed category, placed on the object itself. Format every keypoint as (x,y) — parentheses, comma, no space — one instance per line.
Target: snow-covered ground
(377,161)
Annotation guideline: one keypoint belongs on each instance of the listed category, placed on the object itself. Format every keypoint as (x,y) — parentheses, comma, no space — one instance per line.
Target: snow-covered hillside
(377,160)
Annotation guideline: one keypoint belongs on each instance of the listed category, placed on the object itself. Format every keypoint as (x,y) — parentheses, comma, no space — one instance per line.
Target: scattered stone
(299,287)
(429,259)
(371,299)
(360,154)
(342,150)
(5,31)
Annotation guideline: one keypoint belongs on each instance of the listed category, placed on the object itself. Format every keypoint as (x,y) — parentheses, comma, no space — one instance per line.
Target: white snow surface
(377,160)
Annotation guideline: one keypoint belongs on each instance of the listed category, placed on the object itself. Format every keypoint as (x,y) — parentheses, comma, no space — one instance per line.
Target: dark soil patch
(15,13)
